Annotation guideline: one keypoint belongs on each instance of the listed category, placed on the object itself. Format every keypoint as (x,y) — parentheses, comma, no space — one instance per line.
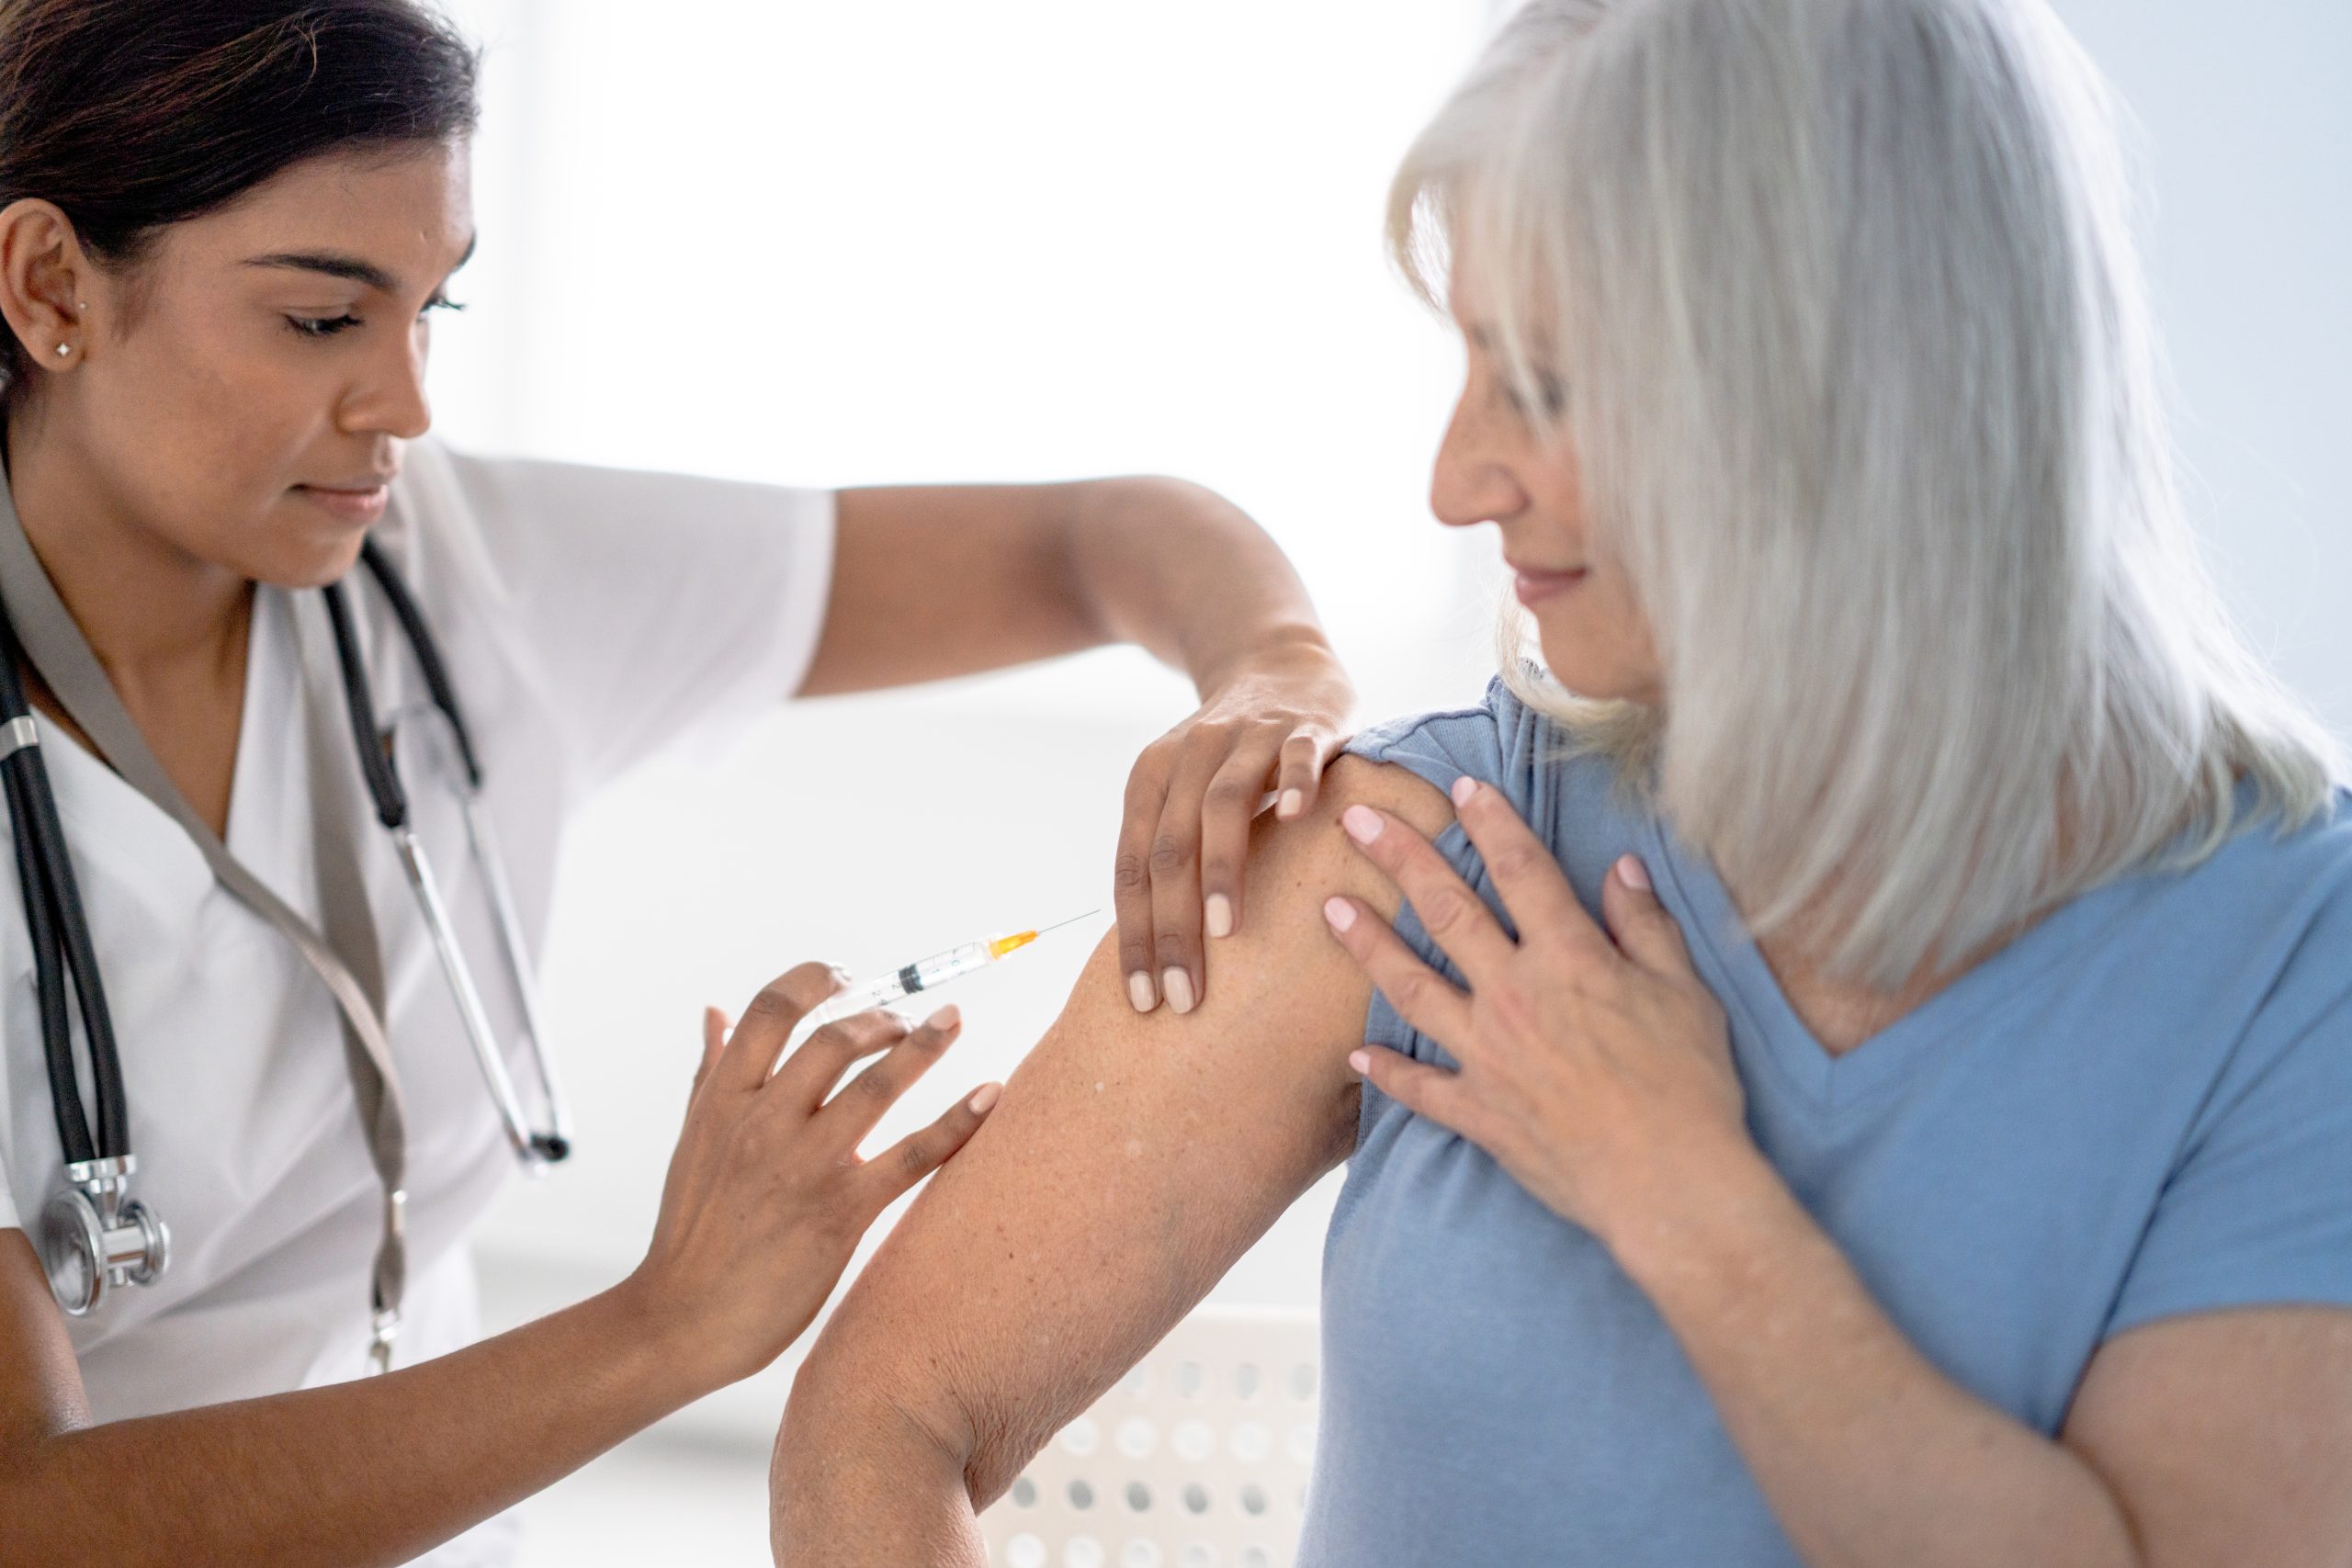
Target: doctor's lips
(1532,584)
(357,501)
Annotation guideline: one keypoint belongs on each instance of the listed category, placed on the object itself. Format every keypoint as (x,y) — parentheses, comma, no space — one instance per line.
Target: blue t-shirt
(2140,1107)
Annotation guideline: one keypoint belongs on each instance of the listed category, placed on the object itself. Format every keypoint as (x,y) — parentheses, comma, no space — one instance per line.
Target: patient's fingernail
(1140,993)
(1632,873)
(985,1098)
(1361,822)
(1179,986)
(1218,914)
(946,1019)
(1340,912)
(1463,788)
(1292,802)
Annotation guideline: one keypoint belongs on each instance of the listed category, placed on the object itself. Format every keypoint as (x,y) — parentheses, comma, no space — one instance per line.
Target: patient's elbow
(860,1460)
(847,1399)
(873,1414)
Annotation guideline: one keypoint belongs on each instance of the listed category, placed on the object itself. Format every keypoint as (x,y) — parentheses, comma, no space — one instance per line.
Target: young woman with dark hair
(222,230)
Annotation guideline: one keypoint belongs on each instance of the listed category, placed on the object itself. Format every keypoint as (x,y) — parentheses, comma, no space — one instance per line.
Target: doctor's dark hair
(135,115)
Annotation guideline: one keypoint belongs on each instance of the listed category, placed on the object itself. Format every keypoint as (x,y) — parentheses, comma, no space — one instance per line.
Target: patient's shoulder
(1355,779)
(1499,740)
(1559,783)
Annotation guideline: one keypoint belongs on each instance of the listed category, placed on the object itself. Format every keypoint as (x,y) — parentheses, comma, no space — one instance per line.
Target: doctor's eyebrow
(354,269)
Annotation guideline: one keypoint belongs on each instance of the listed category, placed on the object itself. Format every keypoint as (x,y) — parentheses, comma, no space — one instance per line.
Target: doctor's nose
(391,400)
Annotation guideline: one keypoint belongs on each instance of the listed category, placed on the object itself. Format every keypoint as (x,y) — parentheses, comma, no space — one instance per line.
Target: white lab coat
(589,617)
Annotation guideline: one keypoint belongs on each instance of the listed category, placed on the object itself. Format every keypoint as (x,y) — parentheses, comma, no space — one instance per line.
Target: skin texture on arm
(1132,1159)
(2226,1436)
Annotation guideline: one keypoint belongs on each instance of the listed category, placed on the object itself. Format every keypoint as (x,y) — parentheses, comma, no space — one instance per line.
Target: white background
(845,243)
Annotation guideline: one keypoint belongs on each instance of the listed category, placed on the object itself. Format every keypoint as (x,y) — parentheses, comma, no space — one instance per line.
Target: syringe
(928,974)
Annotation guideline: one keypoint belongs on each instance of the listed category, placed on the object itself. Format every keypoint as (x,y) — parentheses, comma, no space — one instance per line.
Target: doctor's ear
(45,282)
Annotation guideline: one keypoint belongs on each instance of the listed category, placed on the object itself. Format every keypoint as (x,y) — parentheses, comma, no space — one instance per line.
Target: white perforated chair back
(1198,1458)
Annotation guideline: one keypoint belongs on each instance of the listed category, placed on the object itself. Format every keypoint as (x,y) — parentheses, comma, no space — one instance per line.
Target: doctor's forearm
(1184,573)
(932,582)
(1868,1454)
(367,1472)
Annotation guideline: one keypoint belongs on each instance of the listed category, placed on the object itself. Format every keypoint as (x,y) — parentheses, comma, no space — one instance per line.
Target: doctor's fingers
(1305,757)
(916,1155)
(715,1028)
(1131,877)
(808,1075)
(749,1057)
(1176,917)
(1228,807)
(845,1119)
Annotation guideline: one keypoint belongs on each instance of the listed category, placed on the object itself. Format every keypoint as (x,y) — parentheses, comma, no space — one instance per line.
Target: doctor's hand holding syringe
(766,1197)
(793,1214)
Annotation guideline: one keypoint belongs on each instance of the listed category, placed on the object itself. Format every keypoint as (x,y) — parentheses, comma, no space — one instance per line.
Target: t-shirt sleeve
(1442,746)
(654,604)
(9,1219)
(2257,1210)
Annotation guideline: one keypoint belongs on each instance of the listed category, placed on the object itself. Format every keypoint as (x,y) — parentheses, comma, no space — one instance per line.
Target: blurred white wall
(838,244)
(2244,137)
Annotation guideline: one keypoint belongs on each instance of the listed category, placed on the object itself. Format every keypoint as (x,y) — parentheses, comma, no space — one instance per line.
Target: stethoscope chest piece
(94,1237)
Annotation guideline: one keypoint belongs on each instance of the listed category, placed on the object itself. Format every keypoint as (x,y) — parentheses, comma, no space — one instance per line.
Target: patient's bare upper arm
(1132,1159)
(2226,1435)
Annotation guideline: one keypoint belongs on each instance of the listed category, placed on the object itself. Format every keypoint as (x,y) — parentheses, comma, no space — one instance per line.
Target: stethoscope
(94,1234)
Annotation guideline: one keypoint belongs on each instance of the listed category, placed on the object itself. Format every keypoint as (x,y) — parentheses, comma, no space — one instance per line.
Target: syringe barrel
(900,983)
(877,993)
(940,968)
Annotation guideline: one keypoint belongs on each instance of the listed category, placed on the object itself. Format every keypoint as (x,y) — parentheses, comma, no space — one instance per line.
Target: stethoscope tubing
(390,801)
(359,706)
(555,1143)
(427,651)
(59,931)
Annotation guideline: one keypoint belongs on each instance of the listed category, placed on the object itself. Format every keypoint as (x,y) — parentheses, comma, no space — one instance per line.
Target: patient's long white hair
(1861,380)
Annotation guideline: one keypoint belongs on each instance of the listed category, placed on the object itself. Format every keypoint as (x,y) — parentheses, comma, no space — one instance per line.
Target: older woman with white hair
(1866,1079)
